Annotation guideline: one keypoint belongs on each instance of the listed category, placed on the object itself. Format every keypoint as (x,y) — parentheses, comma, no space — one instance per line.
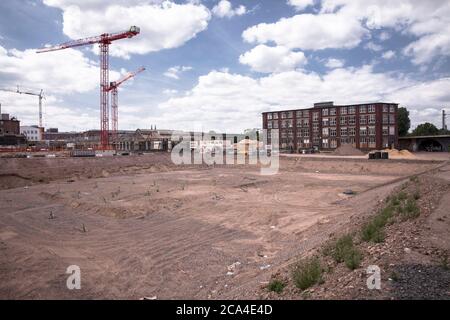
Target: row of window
(331,112)
(344,120)
(344,131)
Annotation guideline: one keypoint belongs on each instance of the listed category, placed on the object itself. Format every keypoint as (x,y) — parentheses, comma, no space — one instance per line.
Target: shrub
(307,273)
(276,285)
(372,232)
(353,258)
(410,209)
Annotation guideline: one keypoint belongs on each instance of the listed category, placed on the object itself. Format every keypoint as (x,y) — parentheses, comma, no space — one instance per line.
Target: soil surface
(139,226)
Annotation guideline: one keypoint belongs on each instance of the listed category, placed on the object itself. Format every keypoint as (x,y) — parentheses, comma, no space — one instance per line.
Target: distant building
(32,133)
(10,131)
(326,126)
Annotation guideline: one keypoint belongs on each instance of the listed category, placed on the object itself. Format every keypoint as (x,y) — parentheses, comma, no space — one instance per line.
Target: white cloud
(67,71)
(333,63)
(384,36)
(345,23)
(164,24)
(170,92)
(174,72)
(272,59)
(300,4)
(309,32)
(373,46)
(59,74)
(225,9)
(388,55)
(232,102)
(427,20)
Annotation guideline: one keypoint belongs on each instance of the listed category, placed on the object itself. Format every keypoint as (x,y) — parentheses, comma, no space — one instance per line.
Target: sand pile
(400,154)
(348,150)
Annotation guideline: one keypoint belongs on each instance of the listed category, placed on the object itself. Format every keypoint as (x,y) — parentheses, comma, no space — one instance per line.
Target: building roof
(329,105)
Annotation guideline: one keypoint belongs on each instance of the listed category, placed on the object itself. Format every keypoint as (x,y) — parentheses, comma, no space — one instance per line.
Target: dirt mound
(13,180)
(348,150)
(400,154)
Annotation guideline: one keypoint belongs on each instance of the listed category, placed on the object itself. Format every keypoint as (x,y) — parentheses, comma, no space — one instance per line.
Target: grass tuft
(276,285)
(307,273)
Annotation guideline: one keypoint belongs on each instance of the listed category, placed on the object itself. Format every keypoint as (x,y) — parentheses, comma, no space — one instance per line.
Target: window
(372,142)
(351,120)
(391,130)
(324,112)
(283,134)
(305,132)
(325,132)
(306,122)
(371,131)
(283,115)
(362,109)
(351,110)
(385,118)
(363,141)
(391,118)
(392,108)
(299,114)
(275,115)
(362,119)
(343,110)
(371,108)
(325,122)
(315,127)
(324,143)
(363,131)
(299,133)
(385,108)
(385,130)
(343,120)
(315,116)
(352,131)
(372,119)
(332,111)
(333,132)
(275,124)
(306,113)
(269,116)
(269,125)
(332,121)
(333,143)
(289,114)
(344,131)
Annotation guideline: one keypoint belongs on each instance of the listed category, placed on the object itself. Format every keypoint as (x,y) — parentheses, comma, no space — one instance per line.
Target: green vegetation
(345,251)
(401,205)
(307,273)
(276,285)
(404,123)
(425,129)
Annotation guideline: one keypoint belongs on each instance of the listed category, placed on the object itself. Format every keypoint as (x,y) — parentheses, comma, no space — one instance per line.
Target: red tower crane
(104,40)
(113,87)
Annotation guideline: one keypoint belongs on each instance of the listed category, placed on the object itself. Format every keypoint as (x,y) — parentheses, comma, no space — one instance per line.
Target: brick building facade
(326,126)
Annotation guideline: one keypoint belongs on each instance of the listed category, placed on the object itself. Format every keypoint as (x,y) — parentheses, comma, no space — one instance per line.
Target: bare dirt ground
(155,229)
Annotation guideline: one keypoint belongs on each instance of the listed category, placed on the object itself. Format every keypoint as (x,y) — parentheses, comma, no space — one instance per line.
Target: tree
(425,129)
(404,123)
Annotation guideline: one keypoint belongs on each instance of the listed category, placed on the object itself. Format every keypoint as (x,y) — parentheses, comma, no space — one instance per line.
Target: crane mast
(104,40)
(40,95)
(113,87)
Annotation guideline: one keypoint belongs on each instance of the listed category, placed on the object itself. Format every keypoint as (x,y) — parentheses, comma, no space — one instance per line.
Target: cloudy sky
(216,65)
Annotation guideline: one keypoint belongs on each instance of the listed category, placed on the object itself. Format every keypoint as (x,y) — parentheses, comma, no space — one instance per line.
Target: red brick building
(326,126)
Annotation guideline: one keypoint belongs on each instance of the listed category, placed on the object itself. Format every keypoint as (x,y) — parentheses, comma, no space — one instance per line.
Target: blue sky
(218,64)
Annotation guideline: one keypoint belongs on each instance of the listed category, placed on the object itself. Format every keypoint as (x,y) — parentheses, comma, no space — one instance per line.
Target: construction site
(139,226)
